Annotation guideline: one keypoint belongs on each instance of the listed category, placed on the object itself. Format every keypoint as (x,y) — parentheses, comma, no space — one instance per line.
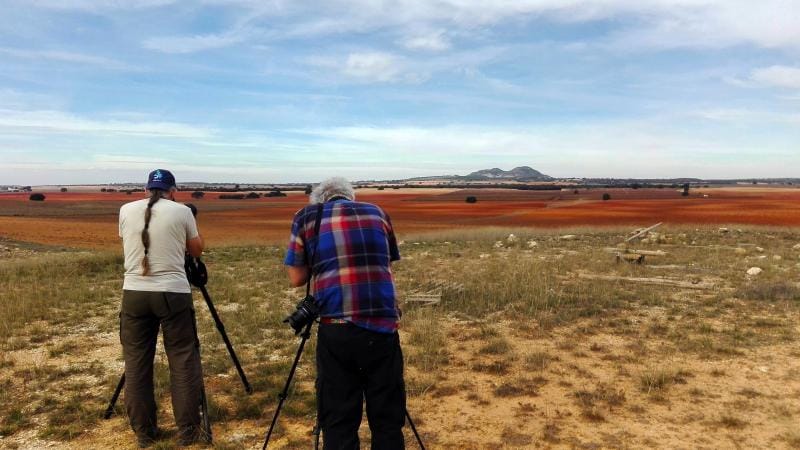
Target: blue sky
(96,91)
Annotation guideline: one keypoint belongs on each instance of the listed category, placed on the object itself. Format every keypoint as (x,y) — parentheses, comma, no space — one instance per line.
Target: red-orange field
(89,220)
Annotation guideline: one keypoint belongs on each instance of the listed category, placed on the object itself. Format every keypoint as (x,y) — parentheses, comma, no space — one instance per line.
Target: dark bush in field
(198,194)
(231,196)
(275,193)
(63,189)
(37,197)
(471,199)
(380,188)
(308,190)
(606,196)
(253,195)
(102,189)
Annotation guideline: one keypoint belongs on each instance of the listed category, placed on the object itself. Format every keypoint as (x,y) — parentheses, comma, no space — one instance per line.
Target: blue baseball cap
(161,179)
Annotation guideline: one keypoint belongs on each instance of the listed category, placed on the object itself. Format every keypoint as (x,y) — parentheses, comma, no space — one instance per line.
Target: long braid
(155,195)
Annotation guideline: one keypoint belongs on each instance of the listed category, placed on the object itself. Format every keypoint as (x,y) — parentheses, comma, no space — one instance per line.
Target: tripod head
(196,271)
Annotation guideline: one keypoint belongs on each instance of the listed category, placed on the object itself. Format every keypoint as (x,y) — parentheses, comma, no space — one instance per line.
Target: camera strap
(317,223)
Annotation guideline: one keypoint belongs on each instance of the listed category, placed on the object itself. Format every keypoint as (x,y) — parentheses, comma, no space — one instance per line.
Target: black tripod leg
(285,392)
(110,410)
(414,429)
(206,420)
(221,328)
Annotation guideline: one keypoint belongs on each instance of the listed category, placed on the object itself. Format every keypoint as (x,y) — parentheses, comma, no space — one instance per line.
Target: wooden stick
(657,281)
(643,232)
(636,252)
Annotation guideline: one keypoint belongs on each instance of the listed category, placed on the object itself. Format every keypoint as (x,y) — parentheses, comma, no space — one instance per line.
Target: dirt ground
(519,350)
(89,220)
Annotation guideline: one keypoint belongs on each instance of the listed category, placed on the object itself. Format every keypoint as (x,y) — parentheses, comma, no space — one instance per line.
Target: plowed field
(89,220)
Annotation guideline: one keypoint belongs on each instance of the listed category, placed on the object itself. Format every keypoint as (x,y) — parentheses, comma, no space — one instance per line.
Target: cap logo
(157,176)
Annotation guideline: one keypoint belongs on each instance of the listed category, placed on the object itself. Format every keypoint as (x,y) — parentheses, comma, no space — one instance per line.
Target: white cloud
(779,76)
(368,67)
(434,41)
(372,66)
(196,43)
(45,121)
(68,57)
(100,5)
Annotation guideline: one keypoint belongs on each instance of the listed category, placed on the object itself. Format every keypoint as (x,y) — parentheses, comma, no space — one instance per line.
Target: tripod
(198,276)
(285,392)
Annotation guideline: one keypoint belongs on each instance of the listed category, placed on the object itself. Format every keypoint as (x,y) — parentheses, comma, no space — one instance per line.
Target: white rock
(754,271)
(796,247)
(740,251)
(498,244)
(484,255)
(760,249)
(724,230)
(569,237)
(777,257)
(532,244)
(511,239)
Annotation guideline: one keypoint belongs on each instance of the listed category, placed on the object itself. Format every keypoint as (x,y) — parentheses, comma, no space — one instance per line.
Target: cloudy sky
(95,91)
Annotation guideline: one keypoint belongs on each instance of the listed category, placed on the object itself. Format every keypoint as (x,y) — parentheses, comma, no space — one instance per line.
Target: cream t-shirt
(171,225)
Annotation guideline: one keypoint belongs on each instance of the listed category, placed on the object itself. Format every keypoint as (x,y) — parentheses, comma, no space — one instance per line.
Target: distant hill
(523,173)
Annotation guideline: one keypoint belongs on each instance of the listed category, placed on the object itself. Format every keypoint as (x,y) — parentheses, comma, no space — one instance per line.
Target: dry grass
(515,326)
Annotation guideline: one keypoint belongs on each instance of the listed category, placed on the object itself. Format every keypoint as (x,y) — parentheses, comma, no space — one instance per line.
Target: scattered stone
(568,237)
(740,251)
(511,239)
(724,230)
(777,257)
(760,249)
(532,244)
(484,255)
(796,247)
(754,271)
(498,244)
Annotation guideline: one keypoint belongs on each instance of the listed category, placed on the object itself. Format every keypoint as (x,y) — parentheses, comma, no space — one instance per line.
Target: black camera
(305,313)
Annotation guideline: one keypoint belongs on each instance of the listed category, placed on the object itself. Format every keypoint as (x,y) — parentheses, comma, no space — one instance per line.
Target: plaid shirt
(352,277)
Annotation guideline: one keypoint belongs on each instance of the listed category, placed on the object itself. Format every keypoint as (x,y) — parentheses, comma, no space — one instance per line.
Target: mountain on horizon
(522,173)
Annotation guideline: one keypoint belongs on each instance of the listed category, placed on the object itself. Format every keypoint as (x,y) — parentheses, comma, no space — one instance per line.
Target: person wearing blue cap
(156,233)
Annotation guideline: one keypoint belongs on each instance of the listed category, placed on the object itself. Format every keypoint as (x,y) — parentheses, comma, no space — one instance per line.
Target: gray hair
(330,188)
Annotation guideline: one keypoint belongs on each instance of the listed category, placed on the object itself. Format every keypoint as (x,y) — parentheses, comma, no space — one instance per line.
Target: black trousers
(142,314)
(354,364)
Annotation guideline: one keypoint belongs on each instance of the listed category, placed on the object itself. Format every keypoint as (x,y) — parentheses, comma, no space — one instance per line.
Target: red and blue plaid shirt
(351,258)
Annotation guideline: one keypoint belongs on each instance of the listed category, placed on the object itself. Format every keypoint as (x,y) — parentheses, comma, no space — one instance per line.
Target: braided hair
(155,195)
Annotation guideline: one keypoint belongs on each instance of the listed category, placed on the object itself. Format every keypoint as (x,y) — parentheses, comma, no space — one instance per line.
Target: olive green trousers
(140,318)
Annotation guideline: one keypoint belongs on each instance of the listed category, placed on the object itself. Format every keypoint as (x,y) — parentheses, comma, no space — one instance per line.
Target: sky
(260,91)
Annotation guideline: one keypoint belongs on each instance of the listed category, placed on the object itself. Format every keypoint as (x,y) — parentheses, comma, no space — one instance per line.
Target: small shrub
(308,190)
(606,196)
(275,193)
(63,189)
(102,189)
(380,188)
(198,194)
(231,196)
(253,195)
(471,199)
(37,197)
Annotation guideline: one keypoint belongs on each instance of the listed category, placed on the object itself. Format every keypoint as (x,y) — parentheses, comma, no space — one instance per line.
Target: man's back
(171,225)
(351,262)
